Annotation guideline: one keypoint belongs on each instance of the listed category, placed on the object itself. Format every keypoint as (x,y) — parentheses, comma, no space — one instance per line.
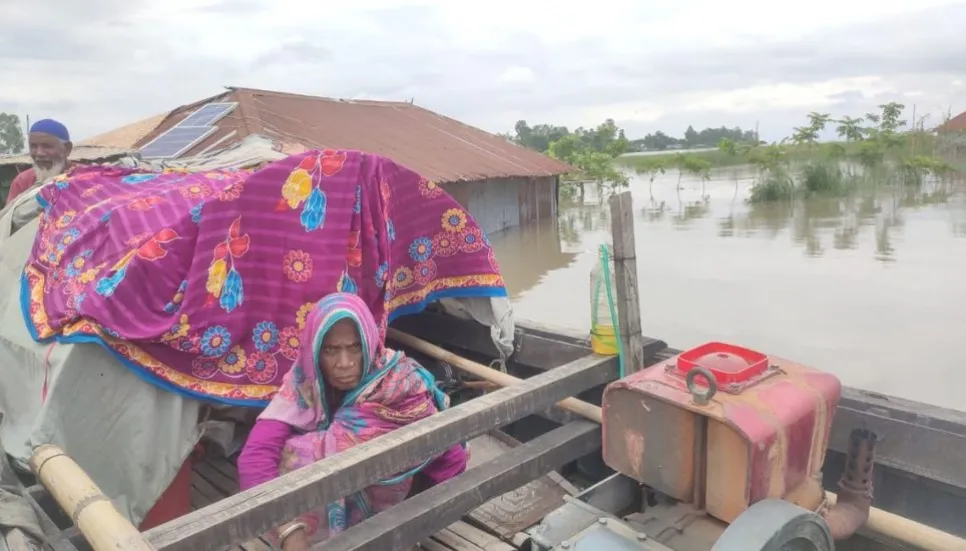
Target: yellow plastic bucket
(603,340)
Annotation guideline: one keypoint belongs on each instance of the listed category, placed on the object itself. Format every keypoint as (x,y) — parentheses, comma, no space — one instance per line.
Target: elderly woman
(345,388)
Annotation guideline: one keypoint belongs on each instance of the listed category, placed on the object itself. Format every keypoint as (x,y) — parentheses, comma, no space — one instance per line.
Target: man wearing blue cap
(49,148)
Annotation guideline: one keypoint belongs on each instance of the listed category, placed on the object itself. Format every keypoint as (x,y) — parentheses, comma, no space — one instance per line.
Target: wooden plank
(223,466)
(478,537)
(517,509)
(440,506)
(453,541)
(253,512)
(198,500)
(625,267)
(224,484)
(430,545)
(915,438)
(207,491)
(204,492)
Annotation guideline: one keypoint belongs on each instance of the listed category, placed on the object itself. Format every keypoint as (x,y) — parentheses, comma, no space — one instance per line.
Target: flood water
(871,288)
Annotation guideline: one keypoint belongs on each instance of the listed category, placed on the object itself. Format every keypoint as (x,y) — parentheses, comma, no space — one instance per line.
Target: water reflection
(820,222)
(528,253)
(828,282)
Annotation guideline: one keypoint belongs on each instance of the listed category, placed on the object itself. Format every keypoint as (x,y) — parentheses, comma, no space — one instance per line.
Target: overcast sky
(651,65)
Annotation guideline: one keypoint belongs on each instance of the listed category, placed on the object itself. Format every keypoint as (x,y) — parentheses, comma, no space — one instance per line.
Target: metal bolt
(641,537)
(565,545)
(602,520)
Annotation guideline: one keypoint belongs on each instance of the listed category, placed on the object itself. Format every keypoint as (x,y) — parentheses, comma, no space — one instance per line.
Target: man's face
(48,152)
(341,356)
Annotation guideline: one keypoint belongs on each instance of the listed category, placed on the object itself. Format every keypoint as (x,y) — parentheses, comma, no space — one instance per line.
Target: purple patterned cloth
(200,282)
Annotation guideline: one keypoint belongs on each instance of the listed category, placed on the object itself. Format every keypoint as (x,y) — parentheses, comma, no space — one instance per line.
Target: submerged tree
(850,129)
(651,168)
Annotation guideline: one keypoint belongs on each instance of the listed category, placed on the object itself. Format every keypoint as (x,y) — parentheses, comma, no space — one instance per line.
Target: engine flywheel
(776,525)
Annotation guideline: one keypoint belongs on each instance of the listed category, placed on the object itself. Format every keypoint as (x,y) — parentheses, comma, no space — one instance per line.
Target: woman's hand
(296,541)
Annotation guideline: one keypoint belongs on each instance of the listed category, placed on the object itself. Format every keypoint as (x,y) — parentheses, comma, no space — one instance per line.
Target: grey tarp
(19,523)
(129,436)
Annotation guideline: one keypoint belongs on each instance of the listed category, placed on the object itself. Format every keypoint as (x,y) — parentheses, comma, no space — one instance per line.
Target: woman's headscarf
(393,391)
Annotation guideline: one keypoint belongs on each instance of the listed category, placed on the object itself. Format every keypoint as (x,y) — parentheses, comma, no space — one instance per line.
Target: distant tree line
(608,134)
(589,150)
(605,138)
(709,137)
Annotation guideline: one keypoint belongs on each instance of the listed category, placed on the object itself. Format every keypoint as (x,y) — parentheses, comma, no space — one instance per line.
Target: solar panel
(208,115)
(175,141)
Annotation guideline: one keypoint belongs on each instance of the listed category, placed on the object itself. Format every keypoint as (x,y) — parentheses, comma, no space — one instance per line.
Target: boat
(550,476)
(922,492)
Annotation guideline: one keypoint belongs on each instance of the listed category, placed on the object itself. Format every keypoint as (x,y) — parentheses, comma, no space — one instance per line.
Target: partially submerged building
(502,184)
(953,125)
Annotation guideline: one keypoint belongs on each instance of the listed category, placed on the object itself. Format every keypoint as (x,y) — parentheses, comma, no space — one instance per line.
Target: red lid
(727,362)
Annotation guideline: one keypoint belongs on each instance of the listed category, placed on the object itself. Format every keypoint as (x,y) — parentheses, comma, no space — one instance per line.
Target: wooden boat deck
(215,478)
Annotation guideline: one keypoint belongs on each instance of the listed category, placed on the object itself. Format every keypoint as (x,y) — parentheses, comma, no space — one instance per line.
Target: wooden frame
(246,515)
(438,507)
(918,462)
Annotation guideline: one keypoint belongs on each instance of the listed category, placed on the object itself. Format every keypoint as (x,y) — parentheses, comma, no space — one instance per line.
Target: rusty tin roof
(438,147)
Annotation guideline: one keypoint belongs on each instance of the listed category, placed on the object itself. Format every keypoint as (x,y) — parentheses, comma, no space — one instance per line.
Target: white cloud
(516,75)
(650,65)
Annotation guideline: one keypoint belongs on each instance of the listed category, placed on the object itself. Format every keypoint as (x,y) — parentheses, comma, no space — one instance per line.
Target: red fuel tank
(722,427)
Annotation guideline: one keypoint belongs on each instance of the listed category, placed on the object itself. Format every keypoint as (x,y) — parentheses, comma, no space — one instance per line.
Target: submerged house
(501,184)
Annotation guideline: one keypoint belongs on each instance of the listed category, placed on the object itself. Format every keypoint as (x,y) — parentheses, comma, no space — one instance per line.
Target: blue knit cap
(52,127)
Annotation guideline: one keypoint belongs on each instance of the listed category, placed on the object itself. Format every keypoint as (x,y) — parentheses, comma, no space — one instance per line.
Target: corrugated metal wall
(499,204)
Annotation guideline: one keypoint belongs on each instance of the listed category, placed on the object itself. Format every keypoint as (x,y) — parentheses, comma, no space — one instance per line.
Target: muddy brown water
(871,288)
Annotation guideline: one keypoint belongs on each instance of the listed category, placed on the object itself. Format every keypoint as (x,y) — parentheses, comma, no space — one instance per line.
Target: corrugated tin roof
(438,147)
(126,136)
(955,124)
(79,153)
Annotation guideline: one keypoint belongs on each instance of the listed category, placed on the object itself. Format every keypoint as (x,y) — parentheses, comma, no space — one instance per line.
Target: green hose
(613,309)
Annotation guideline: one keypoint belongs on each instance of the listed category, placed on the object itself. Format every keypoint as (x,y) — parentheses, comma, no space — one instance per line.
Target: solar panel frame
(203,118)
(195,134)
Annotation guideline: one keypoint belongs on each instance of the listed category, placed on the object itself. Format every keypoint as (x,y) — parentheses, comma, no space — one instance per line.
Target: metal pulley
(776,525)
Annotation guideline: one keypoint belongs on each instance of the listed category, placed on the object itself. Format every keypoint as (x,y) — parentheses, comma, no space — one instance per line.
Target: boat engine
(726,445)
(723,427)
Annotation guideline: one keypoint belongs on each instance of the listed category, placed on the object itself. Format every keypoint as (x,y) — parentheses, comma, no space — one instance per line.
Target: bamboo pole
(102,525)
(907,531)
(881,522)
(572,405)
